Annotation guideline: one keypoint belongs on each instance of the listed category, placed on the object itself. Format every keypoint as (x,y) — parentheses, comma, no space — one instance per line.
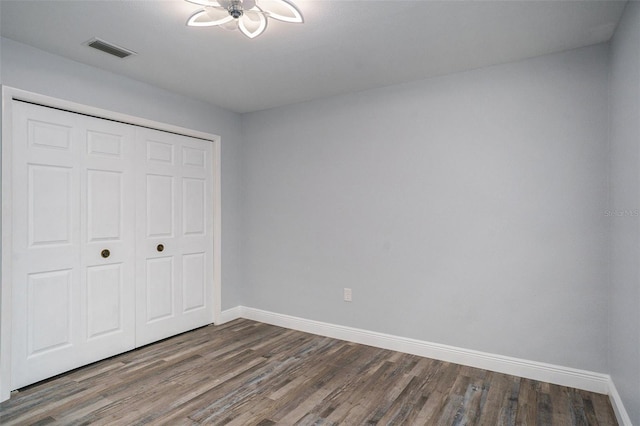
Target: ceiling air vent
(109,48)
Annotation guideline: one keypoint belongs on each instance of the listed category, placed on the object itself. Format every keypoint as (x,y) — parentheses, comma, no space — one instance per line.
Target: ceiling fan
(249,16)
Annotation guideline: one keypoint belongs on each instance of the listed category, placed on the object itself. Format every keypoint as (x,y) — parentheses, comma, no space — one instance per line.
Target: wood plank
(602,408)
(527,403)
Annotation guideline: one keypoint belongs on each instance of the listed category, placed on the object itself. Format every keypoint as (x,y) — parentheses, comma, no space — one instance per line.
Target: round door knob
(160,247)
(105,253)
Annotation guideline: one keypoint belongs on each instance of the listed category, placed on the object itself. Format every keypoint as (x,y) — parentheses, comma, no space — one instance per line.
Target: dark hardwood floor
(248,373)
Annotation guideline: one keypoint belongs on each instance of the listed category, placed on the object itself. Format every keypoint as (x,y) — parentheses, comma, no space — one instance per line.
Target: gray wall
(465,210)
(31,69)
(624,311)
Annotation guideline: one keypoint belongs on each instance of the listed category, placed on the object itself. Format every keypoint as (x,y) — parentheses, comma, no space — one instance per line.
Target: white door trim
(8,95)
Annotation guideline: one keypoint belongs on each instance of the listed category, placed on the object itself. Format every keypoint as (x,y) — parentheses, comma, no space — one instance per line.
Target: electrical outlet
(347,295)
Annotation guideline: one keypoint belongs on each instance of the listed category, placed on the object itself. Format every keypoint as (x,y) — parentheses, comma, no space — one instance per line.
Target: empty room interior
(320,212)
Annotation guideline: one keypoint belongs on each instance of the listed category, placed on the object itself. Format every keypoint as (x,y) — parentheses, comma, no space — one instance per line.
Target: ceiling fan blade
(282,10)
(230,25)
(202,19)
(253,14)
(251,28)
(217,14)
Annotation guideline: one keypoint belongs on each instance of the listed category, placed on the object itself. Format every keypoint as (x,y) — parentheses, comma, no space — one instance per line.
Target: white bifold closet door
(174,234)
(71,200)
(93,200)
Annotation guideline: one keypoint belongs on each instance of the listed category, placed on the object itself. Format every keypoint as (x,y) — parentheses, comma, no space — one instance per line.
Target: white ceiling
(343,46)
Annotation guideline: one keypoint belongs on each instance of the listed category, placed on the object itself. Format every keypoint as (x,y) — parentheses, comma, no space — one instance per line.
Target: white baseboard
(564,376)
(580,379)
(621,413)
(230,314)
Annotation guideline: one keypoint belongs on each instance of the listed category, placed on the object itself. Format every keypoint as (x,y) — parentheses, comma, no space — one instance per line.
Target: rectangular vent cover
(109,48)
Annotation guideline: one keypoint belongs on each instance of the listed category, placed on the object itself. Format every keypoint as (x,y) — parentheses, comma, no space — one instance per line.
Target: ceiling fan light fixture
(249,16)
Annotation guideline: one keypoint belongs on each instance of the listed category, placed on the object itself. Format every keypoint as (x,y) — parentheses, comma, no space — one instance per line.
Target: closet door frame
(9,95)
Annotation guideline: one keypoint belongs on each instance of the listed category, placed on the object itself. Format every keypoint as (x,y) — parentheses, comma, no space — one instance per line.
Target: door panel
(70,306)
(160,206)
(48,307)
(104,205)
(194,202)
(49,134)
(107,260)
(103,144)
(104,300)
(174,211)
(46,234)
(194,157)
(50,204)
(160,289)
(194,278)
(159,152)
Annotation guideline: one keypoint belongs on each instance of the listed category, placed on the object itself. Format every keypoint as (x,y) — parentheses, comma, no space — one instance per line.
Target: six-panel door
(71,306)
(89,279)
(174,234)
